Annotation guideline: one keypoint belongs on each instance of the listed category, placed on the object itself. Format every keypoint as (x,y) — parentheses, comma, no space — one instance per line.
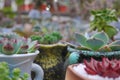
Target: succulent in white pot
(19,52)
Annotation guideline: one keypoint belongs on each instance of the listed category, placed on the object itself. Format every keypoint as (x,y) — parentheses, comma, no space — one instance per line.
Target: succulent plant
(101,21)
(48,38)
(104,68)
(97,42)
(14,44)
(5,73)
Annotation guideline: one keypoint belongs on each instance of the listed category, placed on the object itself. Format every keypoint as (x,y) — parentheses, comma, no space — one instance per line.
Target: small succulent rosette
(14,44)
(105,68)
(98,70)
(15,75)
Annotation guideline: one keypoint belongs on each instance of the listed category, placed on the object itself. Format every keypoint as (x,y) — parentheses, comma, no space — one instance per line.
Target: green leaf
(16,72)
(115,47)
(32,46)
(19,2)
(110,30)
(1,47)
(94,44)
(117,42)
(102,36)
(93,12)
(81,39)
(17,46)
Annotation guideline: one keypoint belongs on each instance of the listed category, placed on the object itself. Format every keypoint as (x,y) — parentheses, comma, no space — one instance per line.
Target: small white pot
(24,62)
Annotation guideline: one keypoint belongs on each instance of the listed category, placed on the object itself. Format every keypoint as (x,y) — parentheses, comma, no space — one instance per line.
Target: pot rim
(20,55)
(52,45)
(75,73)
(93,53)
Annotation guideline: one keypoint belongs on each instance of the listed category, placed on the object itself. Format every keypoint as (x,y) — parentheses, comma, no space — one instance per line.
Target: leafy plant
(19,2)
(102,20)
(5,73)
(97,42)
(105,68)
(48,38)
(14,44)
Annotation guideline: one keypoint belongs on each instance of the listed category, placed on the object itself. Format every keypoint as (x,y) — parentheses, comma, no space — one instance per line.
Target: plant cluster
(101,21)
(5,73)
(48,38)
(14,44)
(105,68)
(97,42)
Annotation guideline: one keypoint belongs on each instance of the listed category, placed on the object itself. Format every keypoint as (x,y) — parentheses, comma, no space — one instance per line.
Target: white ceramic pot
(25,63)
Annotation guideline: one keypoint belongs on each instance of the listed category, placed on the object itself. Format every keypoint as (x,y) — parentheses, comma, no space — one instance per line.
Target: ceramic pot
(51,59)
(72,75)
(24,62)
(84,54)
(98,55)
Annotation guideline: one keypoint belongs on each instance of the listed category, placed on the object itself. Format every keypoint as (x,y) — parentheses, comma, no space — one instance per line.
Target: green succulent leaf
(17,47)
(93,12)
(16,72)
(1,47)
(94,44)
(110,30)
(115,47)
(7,74)
(105,49)
(8,49)
(81,39)
(31,47)
(102,36)
(117,42)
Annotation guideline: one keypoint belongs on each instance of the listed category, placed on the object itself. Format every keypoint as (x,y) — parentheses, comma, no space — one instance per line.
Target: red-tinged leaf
(100,68)
(105,62)
(118,71)
(95,64)
(115,66)
(89,71)
(105,68)
(110,74)
(89,65)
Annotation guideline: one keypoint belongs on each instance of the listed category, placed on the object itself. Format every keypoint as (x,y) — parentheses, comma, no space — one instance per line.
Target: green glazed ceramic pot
(51,59)
(98,55)
(80,55)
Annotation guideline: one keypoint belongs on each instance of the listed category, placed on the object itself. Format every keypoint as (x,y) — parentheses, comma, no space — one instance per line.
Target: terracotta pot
(72,75)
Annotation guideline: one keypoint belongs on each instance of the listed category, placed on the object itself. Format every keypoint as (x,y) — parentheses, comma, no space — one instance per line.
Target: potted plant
(7,75)
(101,22)
(99,44)
(52,55)
(20,52)
(96,46)
(94,70)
